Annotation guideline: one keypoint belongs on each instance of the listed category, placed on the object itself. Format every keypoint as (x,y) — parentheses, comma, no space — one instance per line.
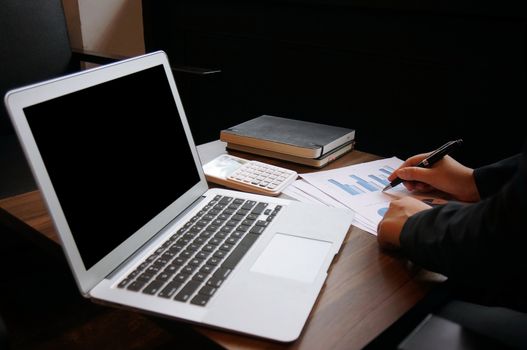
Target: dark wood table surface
(365,292)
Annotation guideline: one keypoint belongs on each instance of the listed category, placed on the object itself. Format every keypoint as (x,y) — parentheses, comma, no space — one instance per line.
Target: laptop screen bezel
(17,100)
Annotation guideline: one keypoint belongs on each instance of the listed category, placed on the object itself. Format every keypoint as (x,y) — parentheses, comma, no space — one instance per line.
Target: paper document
(359,188)
(307,193)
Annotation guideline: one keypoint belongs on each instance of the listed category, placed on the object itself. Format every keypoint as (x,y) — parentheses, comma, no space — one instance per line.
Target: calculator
(248,175)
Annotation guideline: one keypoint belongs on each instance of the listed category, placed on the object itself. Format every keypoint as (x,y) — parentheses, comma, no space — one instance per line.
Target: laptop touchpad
(292,257)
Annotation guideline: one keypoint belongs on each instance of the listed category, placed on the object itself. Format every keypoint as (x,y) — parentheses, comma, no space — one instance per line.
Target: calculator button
(262,176)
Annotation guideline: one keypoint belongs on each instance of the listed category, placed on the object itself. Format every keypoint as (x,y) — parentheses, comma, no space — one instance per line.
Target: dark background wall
(407,76)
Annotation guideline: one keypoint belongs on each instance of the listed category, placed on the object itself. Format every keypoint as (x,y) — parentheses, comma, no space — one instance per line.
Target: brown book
(314,162)
(288,136)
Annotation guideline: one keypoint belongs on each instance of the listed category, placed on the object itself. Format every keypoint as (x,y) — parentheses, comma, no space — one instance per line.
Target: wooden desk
(365,292)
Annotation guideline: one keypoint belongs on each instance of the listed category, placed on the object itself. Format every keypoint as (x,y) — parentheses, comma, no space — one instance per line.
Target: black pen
(430,160)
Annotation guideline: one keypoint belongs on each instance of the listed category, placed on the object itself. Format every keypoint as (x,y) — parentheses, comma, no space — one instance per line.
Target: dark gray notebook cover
(297,133)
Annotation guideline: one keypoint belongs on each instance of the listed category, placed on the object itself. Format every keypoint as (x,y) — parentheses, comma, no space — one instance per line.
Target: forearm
(472,241)
(440,239)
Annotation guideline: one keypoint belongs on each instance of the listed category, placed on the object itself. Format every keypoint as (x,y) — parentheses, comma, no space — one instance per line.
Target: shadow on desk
(43,309)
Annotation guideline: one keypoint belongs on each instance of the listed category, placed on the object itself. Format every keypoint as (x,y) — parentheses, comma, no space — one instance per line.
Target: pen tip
(386,188)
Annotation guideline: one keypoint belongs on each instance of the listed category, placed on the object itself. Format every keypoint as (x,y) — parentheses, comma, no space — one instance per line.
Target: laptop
(114,157)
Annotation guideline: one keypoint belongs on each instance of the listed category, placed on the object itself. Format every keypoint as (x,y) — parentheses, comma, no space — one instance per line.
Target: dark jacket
(484,243)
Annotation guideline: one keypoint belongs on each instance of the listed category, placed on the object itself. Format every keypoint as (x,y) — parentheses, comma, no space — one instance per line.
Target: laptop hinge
(142,247)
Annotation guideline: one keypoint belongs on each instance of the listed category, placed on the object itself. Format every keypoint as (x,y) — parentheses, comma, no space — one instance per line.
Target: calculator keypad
(263,175)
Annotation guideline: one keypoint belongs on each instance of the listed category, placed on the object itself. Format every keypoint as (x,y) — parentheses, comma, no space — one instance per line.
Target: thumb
(415,174)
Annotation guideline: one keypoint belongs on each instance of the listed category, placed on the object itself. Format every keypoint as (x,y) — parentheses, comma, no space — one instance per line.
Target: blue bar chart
(387,170)
(359,187)
(381,180)
(364,183)
(351,189)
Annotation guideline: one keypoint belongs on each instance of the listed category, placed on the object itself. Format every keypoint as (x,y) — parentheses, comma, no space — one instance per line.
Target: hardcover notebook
(282,135)
(113,155)
(314,162)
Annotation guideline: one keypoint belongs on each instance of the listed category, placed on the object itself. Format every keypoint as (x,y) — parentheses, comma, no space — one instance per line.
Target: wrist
(469,190)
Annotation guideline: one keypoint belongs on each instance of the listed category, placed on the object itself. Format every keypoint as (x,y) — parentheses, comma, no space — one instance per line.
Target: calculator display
(224,166)
(248,175)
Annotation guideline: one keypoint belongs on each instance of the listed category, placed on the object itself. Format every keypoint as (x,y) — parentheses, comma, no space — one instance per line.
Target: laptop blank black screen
(116,154)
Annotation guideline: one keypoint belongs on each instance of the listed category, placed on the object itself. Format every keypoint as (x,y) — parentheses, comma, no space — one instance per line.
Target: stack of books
(292,140)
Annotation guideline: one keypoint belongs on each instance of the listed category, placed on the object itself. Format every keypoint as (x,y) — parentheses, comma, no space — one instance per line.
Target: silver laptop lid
(113,155)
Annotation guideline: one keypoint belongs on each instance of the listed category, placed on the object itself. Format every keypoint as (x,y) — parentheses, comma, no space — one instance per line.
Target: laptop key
(237,254)
(145,277)
(215,281)
(220,254)
(214,261)
(136,286)
(225,200)
(248,205)
(257,229)
(248,240)
(262,223)
(206,269)
(153,287)
(237,218)
(187,290)
(199,276)
(180,277)
(133,274)
(259,208)
(124,283)
(200,300)
(222,272)
(207,290)
(163,277)
(170,289)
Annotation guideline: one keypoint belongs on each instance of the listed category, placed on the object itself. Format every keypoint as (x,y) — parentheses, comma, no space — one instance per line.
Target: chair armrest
(97,58)
(201,91)
(194,70)
(94,57)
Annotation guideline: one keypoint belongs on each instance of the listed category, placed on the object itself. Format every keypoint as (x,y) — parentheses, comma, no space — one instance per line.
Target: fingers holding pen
(437,170)
(410,162)
(415,178)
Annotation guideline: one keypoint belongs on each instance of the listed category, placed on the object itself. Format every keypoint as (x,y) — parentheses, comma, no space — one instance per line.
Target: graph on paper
(359,187)
(372,181)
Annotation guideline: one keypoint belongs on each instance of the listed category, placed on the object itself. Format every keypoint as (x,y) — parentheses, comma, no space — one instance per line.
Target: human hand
(389,228)
(447,175)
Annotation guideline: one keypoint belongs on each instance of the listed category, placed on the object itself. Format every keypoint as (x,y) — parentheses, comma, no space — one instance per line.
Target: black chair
(34,46)
(3,335)
(454,317)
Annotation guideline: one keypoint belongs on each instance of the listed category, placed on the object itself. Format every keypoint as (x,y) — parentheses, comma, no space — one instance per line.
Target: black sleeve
(484,241)
(491,178)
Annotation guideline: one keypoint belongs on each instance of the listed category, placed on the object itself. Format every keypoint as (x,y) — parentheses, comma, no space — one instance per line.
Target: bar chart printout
(372,181)
(359,187)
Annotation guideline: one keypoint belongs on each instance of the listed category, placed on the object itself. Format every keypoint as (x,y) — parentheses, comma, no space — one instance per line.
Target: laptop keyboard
(194,262)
